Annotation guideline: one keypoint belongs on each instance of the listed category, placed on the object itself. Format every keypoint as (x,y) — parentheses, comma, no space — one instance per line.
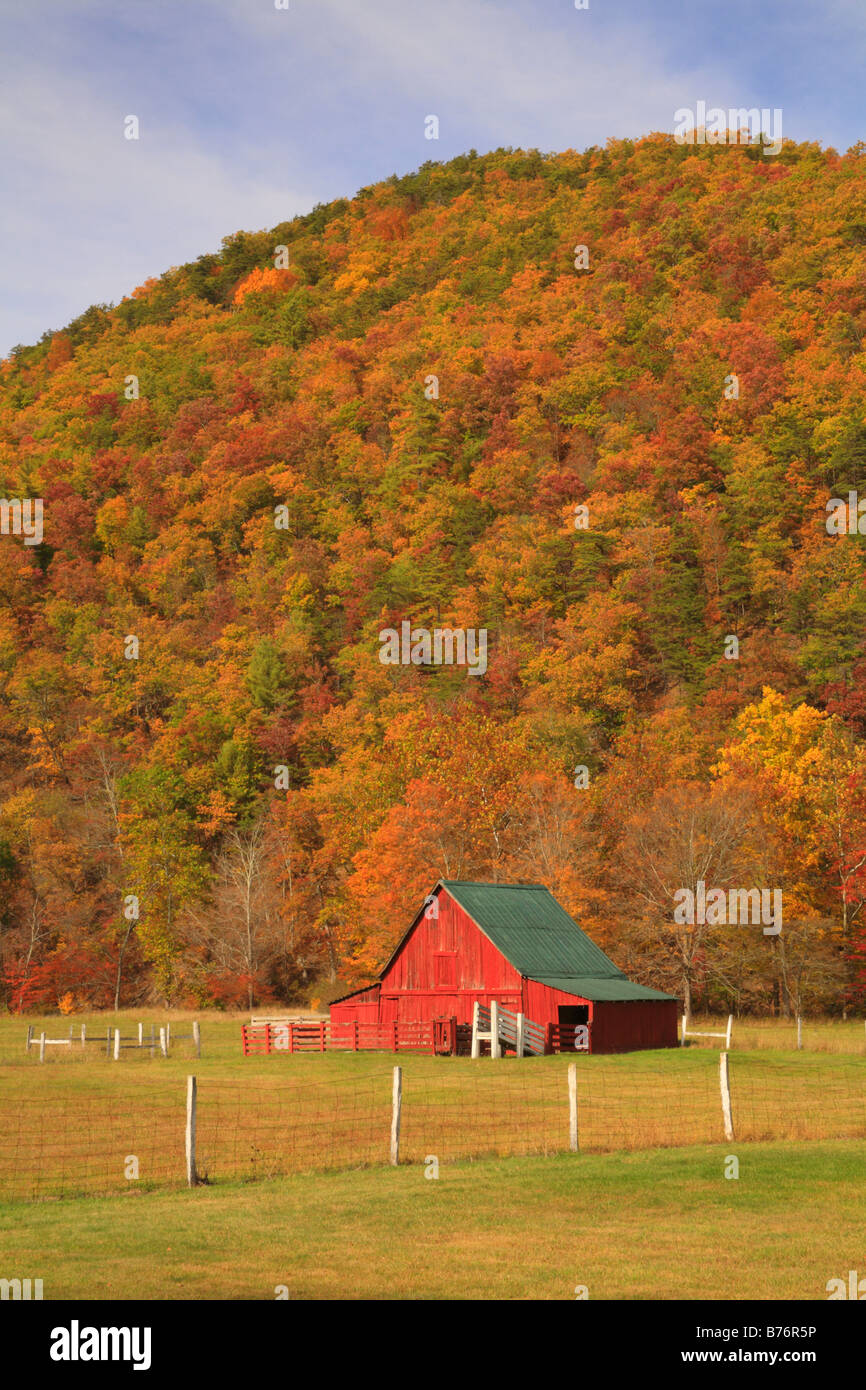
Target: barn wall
(614,1027)
(445,965)
(362,1007)
(541,1003)
(632,1024)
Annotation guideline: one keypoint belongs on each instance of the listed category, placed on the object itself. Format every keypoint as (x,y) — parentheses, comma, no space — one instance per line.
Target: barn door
(574,1027)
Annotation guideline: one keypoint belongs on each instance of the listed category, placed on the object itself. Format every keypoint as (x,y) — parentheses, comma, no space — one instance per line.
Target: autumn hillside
(425,403)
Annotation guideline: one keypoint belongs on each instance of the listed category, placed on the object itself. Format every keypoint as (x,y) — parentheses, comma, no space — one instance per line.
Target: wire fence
(750,1034)
(258,1129)
(55,1145)
(797,1099)
(111,1136)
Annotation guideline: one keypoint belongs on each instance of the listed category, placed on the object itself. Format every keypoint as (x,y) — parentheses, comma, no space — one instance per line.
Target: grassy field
(779,1034)
(662,1224)
(221,1033)
(71,1125)
(299,1192)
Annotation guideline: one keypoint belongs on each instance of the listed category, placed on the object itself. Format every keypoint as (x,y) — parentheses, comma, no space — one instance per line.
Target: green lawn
(662,1224)
(643,1211)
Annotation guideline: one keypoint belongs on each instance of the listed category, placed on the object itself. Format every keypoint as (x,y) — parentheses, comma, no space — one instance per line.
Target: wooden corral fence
(42,1041)
(692,1033)
(501,1029)
(194,1036)
(440,1036)
(116,1042)
(164,1043)
(337,1037)
(568,1037)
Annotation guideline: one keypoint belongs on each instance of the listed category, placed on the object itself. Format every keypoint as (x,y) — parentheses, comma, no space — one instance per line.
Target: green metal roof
(527,924)
(607,990)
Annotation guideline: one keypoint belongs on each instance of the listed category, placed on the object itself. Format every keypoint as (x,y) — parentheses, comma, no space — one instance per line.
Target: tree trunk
(687,996)
(120,968)
(782,971)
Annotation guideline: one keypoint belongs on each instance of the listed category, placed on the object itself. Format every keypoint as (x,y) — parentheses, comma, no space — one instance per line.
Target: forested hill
(593,404)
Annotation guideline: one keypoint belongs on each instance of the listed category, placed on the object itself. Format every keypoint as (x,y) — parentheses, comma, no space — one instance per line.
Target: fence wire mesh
(66,1131)
(258,1129)
(56,1144)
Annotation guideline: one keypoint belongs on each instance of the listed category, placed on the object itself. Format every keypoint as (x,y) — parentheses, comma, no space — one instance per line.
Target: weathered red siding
(635,1023)
(614,1027)
(361,1007)
(445,965)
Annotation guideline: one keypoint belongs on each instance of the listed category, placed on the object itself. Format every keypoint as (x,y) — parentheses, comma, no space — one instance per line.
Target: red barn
(512,943)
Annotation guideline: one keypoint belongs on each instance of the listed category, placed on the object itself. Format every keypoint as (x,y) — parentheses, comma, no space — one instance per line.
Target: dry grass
(71,1125)
(779,1034)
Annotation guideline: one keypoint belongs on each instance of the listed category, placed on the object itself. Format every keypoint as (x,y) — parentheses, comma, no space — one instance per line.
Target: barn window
(446,971)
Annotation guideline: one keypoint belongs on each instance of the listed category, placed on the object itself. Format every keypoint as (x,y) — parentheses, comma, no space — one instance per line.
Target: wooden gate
(445,1036)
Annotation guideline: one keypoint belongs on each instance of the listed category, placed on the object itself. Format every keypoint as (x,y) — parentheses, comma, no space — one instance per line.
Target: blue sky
(251,114)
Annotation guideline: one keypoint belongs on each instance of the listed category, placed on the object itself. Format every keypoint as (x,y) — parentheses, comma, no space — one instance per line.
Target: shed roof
(365,989)
(526,923)
(602,991)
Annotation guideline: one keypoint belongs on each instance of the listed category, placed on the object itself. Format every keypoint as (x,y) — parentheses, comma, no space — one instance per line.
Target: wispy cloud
(250,114)
(92,214)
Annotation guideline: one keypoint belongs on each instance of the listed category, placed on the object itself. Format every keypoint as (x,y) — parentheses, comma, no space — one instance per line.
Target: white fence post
(162,1046)
(117,1044)
(572,1107)
(476,1046)
(520,1035)
(726,1035)
(725,1086)
(190,1131)
(196,1037)
(84,1035)
(42,1047)
(799,1032)
(167,1038)
(396,1109)
(495,1049)
(140,1034)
